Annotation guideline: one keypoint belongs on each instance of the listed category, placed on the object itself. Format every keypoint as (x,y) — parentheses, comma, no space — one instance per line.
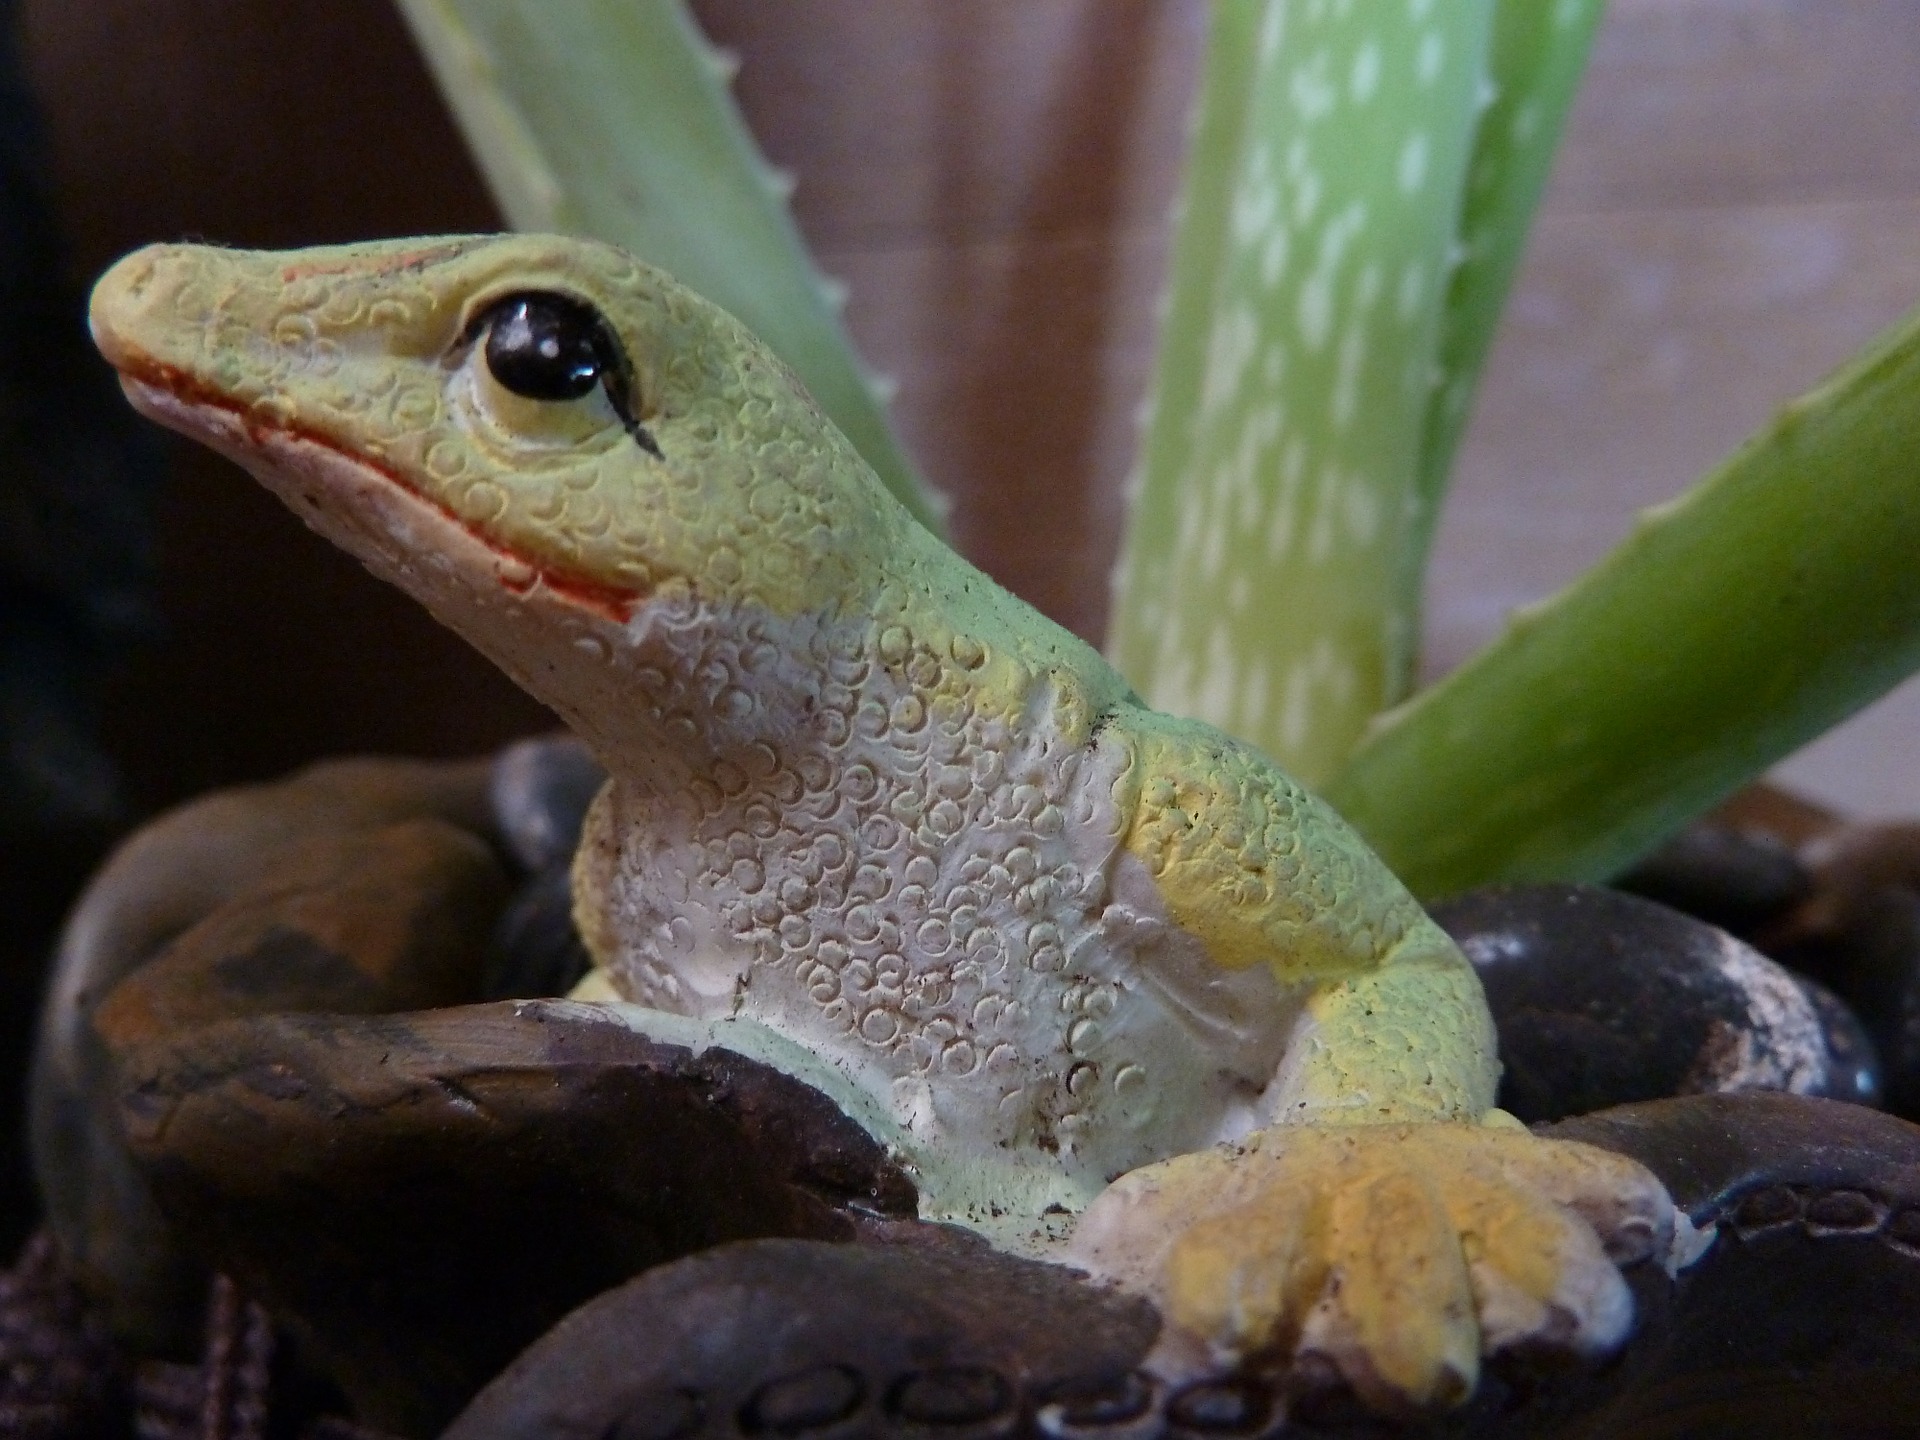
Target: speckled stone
(540,790)
(1603,999)
(1736,879)
(424,1194)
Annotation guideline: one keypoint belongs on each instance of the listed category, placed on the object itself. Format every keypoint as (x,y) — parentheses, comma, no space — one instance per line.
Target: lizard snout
(121,313)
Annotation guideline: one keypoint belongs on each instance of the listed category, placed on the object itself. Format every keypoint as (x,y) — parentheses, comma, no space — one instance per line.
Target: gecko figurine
(1115,989)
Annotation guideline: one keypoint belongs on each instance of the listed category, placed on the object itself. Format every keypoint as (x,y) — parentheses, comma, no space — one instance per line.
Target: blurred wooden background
(1737,208)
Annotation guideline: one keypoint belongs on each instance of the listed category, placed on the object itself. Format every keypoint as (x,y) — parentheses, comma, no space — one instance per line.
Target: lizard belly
(942,911)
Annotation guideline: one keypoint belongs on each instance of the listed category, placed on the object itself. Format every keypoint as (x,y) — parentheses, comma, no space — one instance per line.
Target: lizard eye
(547,347)
(542,346)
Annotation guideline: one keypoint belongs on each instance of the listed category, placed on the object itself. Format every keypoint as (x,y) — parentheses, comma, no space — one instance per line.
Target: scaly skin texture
(874,818)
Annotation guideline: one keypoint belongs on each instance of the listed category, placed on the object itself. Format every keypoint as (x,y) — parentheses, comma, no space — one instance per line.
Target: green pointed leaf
(611,119)
(1768,603)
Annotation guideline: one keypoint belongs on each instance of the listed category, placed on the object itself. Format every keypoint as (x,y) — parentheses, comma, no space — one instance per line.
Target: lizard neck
(690,690)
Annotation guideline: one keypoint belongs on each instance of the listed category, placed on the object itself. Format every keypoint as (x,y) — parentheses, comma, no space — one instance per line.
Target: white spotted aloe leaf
(1737,622)
(1359,184)
(611,119)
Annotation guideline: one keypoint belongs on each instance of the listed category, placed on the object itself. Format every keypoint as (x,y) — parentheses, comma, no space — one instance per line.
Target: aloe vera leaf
(1538,54)
(611,119)
(1263,581)
(1735,623)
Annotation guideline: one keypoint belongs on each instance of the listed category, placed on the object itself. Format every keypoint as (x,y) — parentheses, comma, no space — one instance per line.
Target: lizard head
(528,433)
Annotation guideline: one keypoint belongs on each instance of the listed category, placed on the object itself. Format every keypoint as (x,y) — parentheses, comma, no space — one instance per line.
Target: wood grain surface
(1735,210)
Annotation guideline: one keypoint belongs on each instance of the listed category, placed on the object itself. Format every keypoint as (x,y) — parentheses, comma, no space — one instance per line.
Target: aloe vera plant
(1360,183)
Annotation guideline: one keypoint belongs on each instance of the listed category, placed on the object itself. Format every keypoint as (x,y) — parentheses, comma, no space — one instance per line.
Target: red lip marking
(608,601)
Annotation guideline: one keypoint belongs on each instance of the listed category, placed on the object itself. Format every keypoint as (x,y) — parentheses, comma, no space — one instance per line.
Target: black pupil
(546,347)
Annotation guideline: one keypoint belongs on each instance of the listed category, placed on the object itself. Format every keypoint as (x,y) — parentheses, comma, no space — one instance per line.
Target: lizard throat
(517,573)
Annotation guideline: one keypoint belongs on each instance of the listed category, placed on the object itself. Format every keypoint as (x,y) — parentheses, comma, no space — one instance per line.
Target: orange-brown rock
(355,923)
(165,878)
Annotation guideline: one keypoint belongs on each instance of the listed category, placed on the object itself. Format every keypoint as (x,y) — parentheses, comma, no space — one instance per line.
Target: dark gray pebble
(931,1335)
(1603,998)
(1736,879)
(1859,1063)
(541,789)
(535,950)
(1798,1315)
(1874,963)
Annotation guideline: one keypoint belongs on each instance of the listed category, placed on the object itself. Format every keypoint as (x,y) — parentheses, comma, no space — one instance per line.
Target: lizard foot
(1399,1253)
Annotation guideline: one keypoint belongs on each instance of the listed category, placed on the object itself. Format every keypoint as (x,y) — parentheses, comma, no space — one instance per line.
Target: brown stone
(165,878)
(1766,809)
(357,923)
(1859,933)
(424,1194)
(1850,866)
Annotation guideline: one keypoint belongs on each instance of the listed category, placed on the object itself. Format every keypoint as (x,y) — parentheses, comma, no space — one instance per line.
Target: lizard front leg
(1389,1220)
(1409,1040)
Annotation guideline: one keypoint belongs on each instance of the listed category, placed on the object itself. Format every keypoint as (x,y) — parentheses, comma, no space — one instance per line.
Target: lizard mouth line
(520,575)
